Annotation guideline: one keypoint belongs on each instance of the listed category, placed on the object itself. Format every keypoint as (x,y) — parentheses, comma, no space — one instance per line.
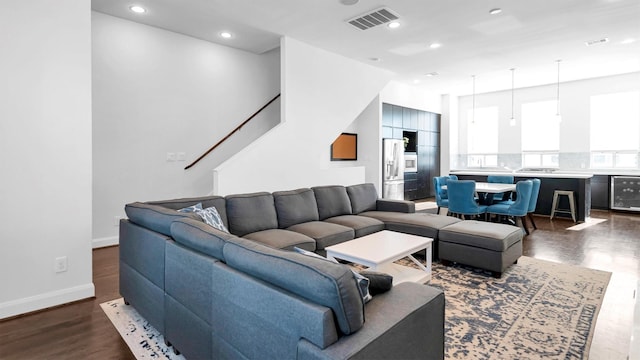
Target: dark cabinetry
(410,185)
(397,121)
(600,192)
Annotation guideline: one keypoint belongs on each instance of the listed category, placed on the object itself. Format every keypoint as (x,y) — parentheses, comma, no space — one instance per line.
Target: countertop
(538,174)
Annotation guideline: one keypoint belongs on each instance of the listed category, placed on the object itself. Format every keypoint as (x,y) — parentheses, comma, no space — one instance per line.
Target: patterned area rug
(537,310)
(143,339)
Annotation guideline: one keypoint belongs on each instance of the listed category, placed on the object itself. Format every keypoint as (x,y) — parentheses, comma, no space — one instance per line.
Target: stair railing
(232,132)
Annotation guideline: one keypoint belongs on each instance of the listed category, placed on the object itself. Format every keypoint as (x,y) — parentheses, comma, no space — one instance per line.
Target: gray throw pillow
(363,282)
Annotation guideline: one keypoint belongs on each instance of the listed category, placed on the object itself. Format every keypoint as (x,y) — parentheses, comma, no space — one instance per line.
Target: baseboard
(106,241)
(46,300)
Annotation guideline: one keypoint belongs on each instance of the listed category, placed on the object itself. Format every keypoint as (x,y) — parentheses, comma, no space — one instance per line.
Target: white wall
(448,133)
(368,127)
(323,93)
(45,139)
(574,107)
(157,92)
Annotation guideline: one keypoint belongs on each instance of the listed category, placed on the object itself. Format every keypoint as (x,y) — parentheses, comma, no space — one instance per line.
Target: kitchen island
(579,183)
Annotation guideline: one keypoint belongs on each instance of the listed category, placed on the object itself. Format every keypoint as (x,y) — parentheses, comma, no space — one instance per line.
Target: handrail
(232,132)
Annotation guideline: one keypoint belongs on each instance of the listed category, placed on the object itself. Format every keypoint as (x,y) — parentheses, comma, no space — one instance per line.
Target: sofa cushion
(414,223)
(282,239)
(332,201)
(248,213)
(361,280)
(206,201)
(325,283)
(324,233)
(363,197)
(481,234)
(396,205)
(295,207)
(200,237)
(362,225)
(155,217)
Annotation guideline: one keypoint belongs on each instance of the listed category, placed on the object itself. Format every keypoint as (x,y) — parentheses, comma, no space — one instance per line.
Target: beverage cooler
(625,193)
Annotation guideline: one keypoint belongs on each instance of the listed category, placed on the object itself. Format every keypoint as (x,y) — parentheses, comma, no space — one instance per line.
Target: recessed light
(432,74)
(349,2)
(375,59)
(495,11)
(393,24)
(226,35)
(416,81)
(137,9)
(627,41)
(435,45)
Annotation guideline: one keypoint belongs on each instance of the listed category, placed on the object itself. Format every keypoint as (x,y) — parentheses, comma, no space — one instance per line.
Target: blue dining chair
(442,198)
(461,199)
(501,179)
(517,209)
(533,201)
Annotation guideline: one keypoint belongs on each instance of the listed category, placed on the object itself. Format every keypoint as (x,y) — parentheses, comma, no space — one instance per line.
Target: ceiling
(527,35)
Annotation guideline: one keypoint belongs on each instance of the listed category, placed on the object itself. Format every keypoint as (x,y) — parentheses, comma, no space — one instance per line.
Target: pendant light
(512,121)
(558,118)
(473,97)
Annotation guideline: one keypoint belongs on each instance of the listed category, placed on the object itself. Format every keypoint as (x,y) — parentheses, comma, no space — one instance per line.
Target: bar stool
(572,205)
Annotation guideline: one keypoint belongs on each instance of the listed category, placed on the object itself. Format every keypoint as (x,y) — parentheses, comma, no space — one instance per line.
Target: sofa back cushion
(155,217)
(249,213)
(200,237)
(316,280)
(332,201)
(207,201)
(363,197)
(295,207)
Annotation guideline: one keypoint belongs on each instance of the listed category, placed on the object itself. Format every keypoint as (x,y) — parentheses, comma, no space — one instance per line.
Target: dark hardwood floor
(79,330)
(82,331)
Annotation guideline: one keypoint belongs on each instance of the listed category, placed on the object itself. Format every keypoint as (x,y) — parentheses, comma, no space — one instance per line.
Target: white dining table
(491,188)
(494,188)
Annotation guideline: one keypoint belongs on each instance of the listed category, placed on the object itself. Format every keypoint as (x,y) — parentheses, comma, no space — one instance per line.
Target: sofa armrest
(396,205)
(261,320)
(405,323)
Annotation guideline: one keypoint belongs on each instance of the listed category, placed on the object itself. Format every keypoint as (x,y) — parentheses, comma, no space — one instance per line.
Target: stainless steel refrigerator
(393,169)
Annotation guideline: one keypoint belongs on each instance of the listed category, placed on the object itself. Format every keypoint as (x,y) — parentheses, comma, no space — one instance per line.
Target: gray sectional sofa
(243,294)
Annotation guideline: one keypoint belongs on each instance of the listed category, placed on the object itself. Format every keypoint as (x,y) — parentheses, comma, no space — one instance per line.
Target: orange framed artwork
(345,148)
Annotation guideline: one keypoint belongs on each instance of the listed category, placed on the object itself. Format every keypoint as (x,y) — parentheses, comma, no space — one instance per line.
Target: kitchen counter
(528,174)
(579,183)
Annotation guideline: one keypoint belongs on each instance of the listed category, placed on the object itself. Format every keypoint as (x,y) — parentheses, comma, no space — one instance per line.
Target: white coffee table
(379,250)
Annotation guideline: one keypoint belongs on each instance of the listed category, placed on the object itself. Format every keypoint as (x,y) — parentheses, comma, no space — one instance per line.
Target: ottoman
(484,245)
(419,224)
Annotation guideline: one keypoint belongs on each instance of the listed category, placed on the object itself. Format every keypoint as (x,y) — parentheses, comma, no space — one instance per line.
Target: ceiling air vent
(373,18)
(597,42)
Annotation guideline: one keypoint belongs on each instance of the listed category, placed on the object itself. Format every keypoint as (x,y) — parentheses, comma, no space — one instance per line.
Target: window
(540,134)
(482,137)
(615,130)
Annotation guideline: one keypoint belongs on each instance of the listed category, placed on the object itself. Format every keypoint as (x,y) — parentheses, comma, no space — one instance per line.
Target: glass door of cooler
(625,193)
